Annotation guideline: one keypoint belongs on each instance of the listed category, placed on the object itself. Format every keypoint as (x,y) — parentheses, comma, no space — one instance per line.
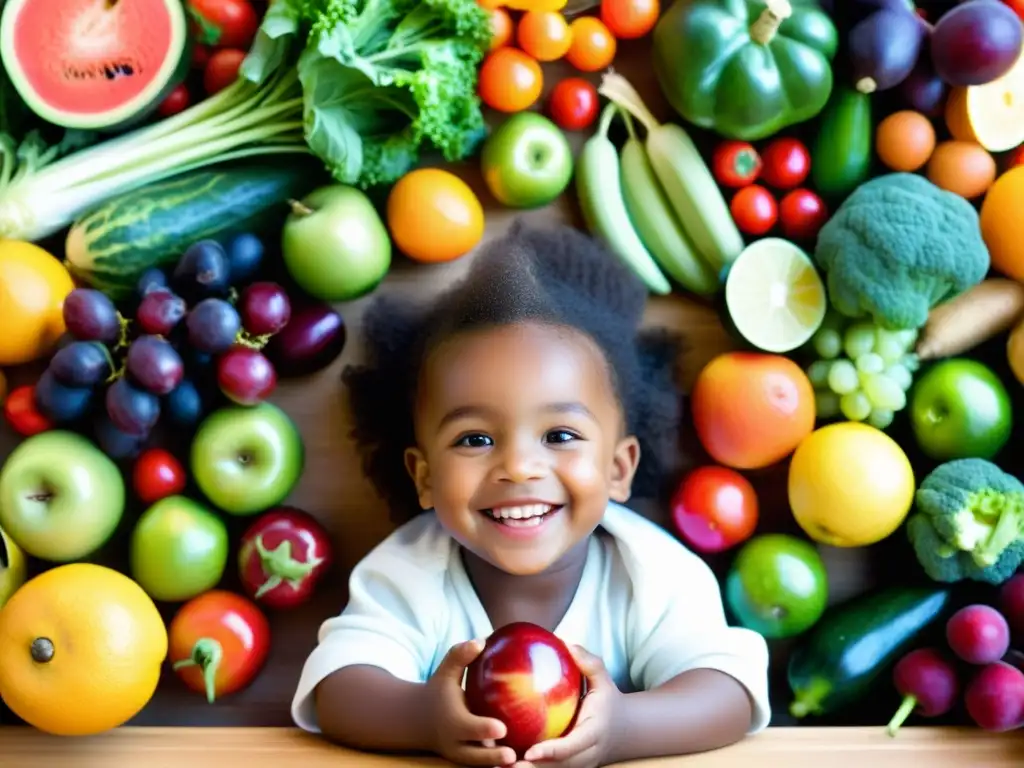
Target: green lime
(777,585)
(775,296)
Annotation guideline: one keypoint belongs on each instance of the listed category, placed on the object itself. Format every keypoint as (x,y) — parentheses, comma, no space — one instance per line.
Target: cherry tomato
(786,163)
(754,210)
(593,45)
(156,475)
(802,214)
(630,19)
(175,101)
(21,413)
(510,80)
(224,23)
(222,70)
(219,642)
(200,56)
(501,27)
(736,164)
(573,104)
(544,35)
(714,508)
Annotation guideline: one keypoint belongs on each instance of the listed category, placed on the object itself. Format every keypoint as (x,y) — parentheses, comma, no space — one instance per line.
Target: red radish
(978,634)
(926,678)
(1011,601)
(995,697)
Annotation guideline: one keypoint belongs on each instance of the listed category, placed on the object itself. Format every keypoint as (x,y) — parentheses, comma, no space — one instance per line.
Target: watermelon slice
(94,64)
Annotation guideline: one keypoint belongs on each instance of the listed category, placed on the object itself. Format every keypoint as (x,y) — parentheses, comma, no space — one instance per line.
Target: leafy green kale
(382,80)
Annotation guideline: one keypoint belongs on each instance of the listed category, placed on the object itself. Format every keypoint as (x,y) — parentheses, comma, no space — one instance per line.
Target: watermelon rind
(173,70)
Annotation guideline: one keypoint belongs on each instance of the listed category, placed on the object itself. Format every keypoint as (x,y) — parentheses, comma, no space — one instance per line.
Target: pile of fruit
(852,208)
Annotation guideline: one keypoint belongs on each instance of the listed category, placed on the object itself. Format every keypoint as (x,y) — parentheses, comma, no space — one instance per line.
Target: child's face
(520,422)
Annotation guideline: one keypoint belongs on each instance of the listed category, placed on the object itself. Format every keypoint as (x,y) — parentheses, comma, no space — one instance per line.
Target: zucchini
(855,642)
(111,246)
(842,151)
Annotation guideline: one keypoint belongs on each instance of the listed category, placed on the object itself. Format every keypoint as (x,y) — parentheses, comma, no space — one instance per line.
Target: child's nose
(521,463)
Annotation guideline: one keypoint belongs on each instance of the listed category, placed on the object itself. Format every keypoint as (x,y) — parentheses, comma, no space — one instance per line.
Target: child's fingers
(459,656)
(474,754)
(469,727)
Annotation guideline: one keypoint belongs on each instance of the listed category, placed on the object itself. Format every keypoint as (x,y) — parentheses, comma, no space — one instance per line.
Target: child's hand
(587,744)
(458,734)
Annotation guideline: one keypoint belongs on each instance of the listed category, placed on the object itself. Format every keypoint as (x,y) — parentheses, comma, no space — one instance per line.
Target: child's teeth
(522,513)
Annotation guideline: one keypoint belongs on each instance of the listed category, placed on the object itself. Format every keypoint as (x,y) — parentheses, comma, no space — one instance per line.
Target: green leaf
(209,33)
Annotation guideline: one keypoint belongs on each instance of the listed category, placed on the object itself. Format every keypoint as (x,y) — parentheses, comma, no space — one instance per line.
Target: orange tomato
(544,35)
(501,27)
(593,45)
(752,409)
(434,216)
(510,80)
(630,19)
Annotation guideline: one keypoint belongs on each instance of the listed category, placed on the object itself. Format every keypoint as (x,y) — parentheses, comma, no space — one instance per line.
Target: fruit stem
(123,325)
(906,708)
(246,339)
(867,85)
(619,90)
(42,650)
(207,654)
(281,566)
(300,209)
(607,115)
(771,18)
(807,701)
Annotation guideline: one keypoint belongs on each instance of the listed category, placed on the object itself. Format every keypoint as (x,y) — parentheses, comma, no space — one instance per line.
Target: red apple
(527,678)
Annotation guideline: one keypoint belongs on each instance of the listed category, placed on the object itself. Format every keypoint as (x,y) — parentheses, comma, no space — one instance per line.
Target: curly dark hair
(555,275)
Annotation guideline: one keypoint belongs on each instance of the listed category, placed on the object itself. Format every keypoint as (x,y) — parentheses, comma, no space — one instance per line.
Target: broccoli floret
(969,522)
(898,246)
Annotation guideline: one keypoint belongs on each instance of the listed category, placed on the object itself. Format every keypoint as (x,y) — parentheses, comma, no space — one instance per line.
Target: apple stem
(300,209)
(207,654)
(281,566)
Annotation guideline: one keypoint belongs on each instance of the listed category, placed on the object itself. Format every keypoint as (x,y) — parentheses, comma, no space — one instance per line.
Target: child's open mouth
(525,516)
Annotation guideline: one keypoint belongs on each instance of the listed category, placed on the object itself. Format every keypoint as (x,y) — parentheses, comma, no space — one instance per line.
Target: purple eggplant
(976,42)
(314,336)
(923,90)
(884,47)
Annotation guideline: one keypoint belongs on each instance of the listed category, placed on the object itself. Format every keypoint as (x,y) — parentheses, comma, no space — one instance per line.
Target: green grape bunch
(863,371)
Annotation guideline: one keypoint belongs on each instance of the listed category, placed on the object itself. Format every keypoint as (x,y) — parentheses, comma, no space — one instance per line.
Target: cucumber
(109,247)
(855,642)
(842,151)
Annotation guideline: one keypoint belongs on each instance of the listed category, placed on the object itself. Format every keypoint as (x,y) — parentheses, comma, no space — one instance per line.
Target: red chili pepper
(219,642)
(283,556)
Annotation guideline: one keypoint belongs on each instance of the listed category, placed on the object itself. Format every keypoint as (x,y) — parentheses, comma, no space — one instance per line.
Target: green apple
(13,572)
(960,409)
(777,585)
(247,459)
(179,549)
(335,245)
(527,161)
(61,497)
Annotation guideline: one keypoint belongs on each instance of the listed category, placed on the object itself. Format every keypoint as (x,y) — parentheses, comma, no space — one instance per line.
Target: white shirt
(647,606)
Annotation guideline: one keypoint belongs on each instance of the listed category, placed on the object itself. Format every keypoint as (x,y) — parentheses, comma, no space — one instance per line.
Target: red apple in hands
(527,678)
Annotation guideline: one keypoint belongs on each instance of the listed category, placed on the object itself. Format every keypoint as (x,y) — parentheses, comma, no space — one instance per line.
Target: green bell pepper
(745,68)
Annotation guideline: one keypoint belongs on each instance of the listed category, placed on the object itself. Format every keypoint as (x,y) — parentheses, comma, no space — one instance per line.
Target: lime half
(774,295)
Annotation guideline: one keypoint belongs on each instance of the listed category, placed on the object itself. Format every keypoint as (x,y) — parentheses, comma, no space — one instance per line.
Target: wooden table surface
(286,747)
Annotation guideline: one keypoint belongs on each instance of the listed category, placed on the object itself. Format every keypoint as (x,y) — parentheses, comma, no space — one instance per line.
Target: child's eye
(474,441)
(561,436)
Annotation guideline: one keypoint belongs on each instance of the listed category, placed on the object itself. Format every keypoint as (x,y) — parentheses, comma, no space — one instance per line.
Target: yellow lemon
(33,286)
(850,485)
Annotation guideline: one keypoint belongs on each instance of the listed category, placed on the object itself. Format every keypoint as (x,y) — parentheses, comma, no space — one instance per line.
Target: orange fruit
(905,140)
(81,648)
(433,215)
(593,45)
(510,80)
(501,28)
(33,285)
(1002,226)
(992,114)
(961,167)
(752,409)
(544,35)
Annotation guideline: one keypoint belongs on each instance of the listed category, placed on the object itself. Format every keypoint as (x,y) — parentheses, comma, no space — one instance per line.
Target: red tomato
(736,164)
(510,80)
(224,23)
(714,508)
(200,56)
(21,412)
(754,210)
(219,642)
(222,70)
(282,557)
(786,163)
(573,104)
(175,101)
(1017,6)
(802,214)
(630,19)
(156,475)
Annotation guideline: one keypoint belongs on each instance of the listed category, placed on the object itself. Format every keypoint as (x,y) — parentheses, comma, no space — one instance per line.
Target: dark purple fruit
(81,364)
(245,255)
(115,443)
(160,311)
(976,42)
(212,326)
(184,407)
(132,410)
(245,376)
(265,308)
(150,280)
(884,48)
(312,339)
(923,90)
(60,403)
(90,315)
(154,365)
(203,270)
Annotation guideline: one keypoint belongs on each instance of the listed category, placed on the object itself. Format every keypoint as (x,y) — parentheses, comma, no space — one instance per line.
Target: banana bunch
(655,203)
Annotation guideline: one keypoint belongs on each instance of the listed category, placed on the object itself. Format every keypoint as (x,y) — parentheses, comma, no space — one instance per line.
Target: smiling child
(507,424)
